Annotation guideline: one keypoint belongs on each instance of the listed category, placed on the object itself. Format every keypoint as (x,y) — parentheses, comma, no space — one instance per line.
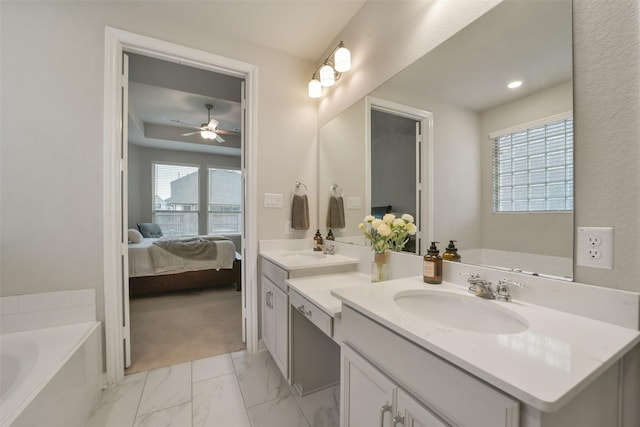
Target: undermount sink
(458,311)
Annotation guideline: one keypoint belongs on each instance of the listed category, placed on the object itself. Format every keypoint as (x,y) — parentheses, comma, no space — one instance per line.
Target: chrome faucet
(502,290)
(329,249)
(479,287)
(483,288)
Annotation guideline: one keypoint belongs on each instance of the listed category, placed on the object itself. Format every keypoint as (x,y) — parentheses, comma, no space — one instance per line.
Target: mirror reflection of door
(395,167)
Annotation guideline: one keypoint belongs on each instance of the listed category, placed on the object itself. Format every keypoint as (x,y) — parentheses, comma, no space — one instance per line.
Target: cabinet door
(268,315)
(280,302)
(366,395)
(410,413)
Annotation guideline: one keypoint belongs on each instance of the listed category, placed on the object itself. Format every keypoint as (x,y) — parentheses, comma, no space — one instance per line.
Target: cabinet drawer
(322,320)
(276,274)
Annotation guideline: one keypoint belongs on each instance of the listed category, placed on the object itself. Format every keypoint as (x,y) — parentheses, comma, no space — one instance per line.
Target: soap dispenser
(451,254)
(317,242)
(432,267)
(330,235)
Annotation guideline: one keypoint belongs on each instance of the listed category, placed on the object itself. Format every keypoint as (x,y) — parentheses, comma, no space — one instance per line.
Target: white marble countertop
(292,260)
(544,366)
(317,289)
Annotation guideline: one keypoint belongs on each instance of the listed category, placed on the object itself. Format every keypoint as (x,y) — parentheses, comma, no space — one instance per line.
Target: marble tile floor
(232,390)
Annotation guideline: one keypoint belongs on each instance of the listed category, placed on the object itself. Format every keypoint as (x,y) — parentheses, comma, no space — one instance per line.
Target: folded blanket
(335,216)
(300,213)
(196,248)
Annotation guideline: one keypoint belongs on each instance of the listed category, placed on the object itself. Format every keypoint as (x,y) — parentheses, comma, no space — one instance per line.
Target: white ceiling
(517,40)
(305,28)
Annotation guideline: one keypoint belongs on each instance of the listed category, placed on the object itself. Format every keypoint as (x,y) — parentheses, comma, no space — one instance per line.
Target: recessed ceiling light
(515,84)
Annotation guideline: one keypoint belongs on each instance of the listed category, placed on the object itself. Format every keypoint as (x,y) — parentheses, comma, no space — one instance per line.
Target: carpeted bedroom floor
(185,326)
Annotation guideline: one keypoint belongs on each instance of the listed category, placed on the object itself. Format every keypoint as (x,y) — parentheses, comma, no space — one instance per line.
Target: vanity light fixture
(330,71)
(514,84)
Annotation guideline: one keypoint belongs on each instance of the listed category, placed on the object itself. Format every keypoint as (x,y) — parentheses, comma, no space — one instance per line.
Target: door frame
(425,118)
(116,42)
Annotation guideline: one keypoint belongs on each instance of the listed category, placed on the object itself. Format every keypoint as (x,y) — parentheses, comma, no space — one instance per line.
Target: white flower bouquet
(388,233)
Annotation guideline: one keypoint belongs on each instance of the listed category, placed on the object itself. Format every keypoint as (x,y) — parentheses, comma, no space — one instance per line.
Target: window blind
(176,193)
(533,168)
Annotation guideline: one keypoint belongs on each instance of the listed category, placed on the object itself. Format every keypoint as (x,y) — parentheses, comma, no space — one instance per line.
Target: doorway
(117,42)
(399,165)
(189,187)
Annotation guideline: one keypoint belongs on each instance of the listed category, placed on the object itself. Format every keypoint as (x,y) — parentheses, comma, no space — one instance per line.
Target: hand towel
(335,216)
(300,212)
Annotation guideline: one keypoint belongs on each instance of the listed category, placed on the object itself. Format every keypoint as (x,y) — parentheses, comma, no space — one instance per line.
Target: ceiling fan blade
(185,123)
(190,133)
(227,132)
(219,138)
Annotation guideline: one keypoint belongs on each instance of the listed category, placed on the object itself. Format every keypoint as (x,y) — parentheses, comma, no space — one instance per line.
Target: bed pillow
(134,236)
(149,229)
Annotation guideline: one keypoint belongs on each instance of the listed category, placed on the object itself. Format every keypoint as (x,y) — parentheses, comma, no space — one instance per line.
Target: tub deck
(32,359)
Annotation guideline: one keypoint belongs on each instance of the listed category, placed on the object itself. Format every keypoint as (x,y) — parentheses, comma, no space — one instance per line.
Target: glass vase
(379,267)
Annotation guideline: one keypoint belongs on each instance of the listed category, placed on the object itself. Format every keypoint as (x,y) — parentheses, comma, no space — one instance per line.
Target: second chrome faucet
(484,288)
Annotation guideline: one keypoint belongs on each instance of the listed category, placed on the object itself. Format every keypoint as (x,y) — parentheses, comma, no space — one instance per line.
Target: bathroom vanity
(409,353)
(402,367)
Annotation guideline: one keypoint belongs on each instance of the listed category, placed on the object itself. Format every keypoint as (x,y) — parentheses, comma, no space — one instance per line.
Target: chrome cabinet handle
(398,419)
(269,302)
(302,310)
(385,408)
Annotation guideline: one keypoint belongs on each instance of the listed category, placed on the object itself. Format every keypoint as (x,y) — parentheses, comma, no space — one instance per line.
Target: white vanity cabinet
(382,370)
(371,399)
(277,329)
(275,314)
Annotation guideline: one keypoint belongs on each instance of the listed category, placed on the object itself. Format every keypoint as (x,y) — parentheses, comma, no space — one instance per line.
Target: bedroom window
(224,201)
(176,199)
(533,167)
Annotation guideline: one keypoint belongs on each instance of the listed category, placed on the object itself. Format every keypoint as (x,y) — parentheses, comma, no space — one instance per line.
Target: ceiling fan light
(315,88)
(207,134)
(342,59)
(327,75)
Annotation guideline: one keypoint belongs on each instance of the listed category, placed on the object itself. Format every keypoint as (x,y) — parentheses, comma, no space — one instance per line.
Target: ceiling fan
(208,130)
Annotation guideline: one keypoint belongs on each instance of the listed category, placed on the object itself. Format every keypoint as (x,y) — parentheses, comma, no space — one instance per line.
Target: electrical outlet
(594,240)
(595,247)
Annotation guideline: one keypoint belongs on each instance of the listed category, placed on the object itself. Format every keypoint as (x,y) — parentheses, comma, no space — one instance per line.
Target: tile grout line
(135,416)
(244,401)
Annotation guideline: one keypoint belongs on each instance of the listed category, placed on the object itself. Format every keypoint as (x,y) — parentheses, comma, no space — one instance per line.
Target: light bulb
(342,59)
(514,84)
(327,75)
(207,134)
(315,88)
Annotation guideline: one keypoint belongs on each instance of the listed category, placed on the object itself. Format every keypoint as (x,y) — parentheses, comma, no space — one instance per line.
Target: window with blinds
(224,201)
(176,194)
(533,167)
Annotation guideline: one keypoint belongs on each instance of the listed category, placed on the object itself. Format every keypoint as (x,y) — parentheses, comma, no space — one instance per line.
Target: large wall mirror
(496,169)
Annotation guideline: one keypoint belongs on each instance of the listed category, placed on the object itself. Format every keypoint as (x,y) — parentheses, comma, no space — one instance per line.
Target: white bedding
(140,259)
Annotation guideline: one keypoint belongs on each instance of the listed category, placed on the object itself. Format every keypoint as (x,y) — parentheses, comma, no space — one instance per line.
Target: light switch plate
(272,200)
(595,247)
(354,203)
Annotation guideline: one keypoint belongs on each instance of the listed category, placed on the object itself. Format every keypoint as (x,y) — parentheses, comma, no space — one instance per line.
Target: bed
(165,264)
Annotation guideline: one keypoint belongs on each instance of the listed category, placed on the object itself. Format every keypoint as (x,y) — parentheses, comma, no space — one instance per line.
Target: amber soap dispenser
(432,267)
(451,254)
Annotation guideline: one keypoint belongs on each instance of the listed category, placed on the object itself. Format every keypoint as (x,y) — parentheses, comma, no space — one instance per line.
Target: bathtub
(50,376)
